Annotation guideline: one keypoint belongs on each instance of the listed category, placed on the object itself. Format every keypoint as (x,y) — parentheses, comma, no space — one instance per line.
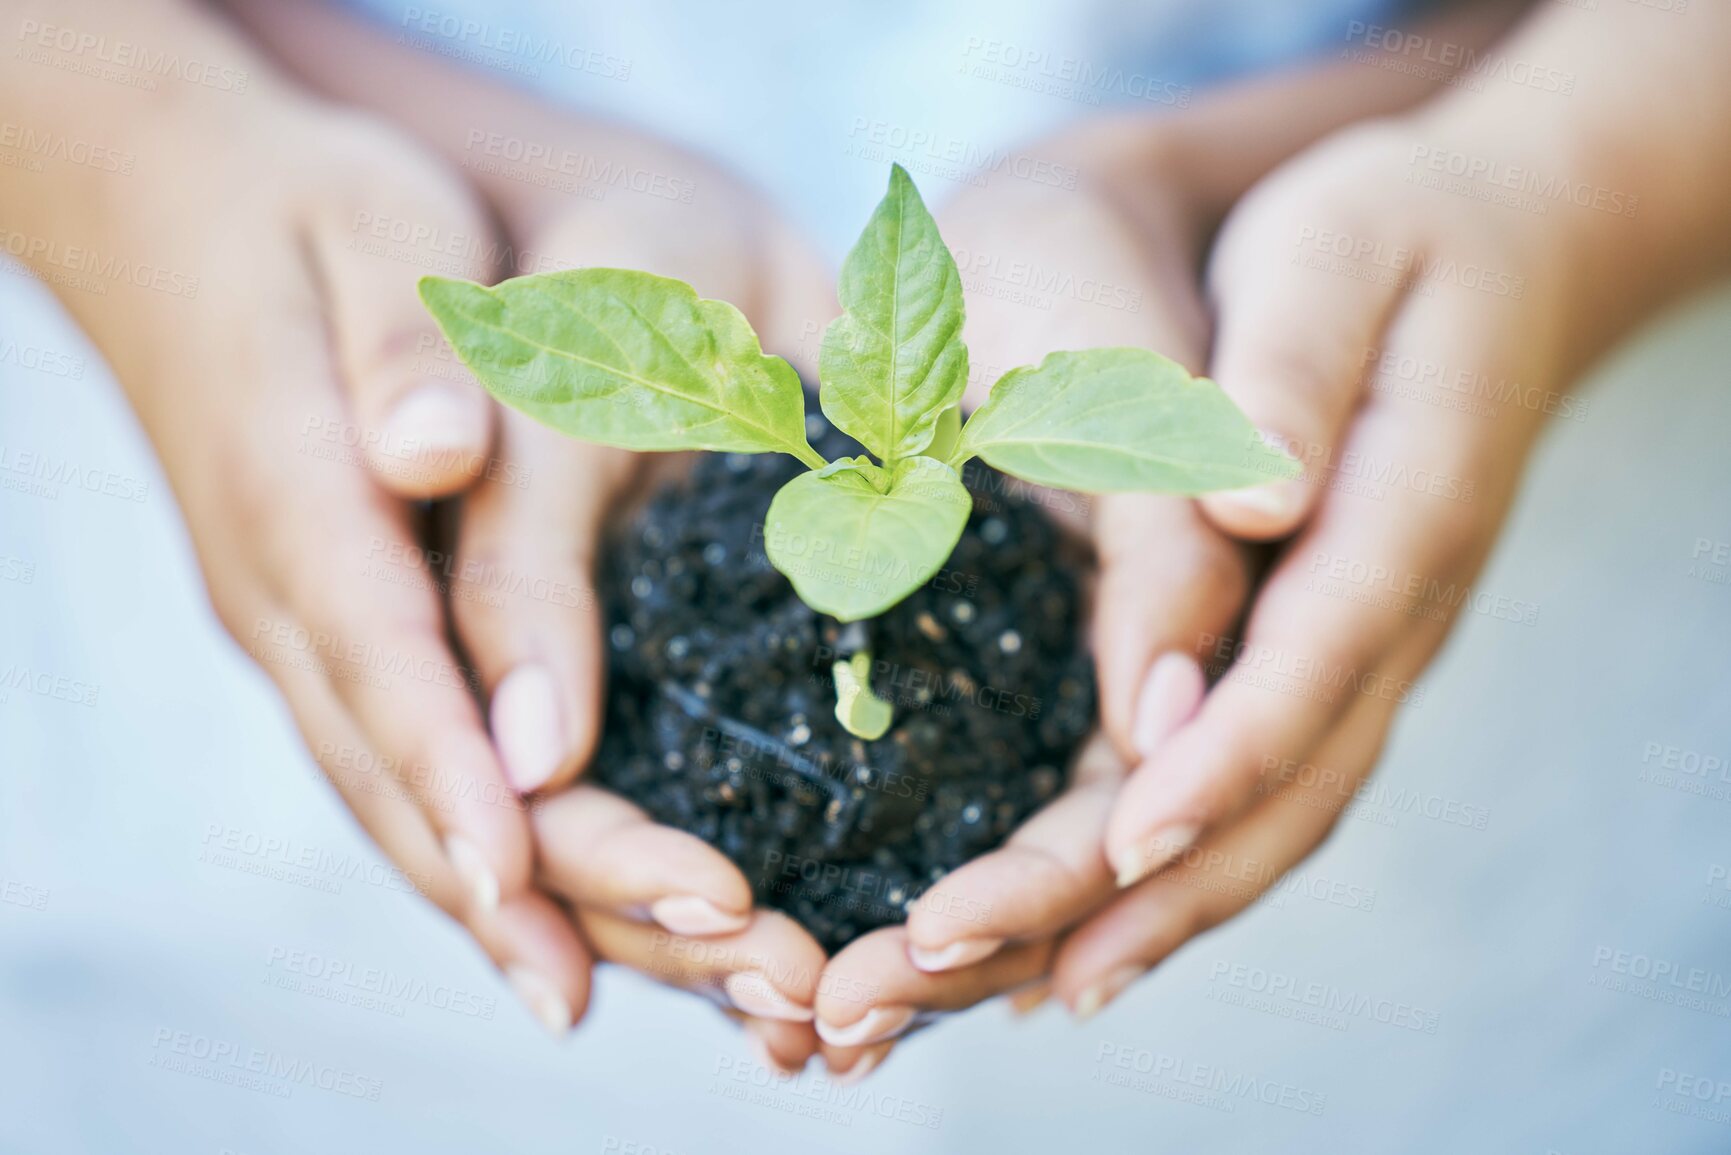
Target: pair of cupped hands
(304,406)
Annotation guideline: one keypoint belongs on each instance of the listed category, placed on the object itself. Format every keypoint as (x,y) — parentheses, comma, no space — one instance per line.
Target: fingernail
(1091,1000)
(432,416)
(866,1065)
(1030,999)
(1170,694)
(1277,501)
(957,954)
(477,876)
(756,995)
(761,1054)
(542,998)
(879,1023)
(526,726)
(690,915)
(1156,851)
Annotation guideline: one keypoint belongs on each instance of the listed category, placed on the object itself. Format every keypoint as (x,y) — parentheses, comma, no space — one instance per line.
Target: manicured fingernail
(957,954)
(1030,999)
(527,727)
(1091,1000)
(756,995)
(542,998)
(879,1023)
(866,1065)
(1156,851)
(433,416)
(690,915)
(1277,501)
(478,878)
(760,1052)
(1170,695)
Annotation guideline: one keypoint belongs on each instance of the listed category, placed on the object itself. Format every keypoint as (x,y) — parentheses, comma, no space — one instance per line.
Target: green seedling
(641,362)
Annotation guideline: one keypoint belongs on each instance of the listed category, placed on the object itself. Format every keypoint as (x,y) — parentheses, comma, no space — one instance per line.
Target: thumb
(422,424)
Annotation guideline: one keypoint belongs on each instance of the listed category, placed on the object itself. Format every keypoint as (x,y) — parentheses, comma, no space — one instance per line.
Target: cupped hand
(1353,305)
(279,374)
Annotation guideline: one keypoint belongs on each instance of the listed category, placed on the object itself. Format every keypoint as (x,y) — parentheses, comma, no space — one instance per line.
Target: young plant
(633,360)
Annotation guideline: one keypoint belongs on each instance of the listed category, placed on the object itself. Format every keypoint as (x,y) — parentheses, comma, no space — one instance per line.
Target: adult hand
(270,357)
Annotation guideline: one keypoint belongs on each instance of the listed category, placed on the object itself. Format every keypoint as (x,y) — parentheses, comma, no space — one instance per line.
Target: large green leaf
(624,358)
(1118,419)
(894,359)
(855,539)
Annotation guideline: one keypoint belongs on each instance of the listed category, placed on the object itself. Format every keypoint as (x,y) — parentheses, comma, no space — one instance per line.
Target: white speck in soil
(738,463)
(963,612)
(1010,641)
(678,647)
(800,734)
(622,637)
(641,587)
(714,553)
(971,813)
(993,531)
(674,760)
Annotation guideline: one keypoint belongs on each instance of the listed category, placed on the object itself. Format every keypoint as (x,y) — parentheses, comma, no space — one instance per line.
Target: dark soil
(721,709)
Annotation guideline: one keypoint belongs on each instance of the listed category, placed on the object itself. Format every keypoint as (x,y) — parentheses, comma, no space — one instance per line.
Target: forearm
(1644,128)
(1233,137)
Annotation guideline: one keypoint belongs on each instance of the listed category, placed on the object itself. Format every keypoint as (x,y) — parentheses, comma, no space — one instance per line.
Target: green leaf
(947,433)
(624,358)
(853,549)
(894,359)
(1118,419)
(861,712)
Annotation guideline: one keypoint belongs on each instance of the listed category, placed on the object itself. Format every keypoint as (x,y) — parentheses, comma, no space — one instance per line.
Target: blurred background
(1518,939)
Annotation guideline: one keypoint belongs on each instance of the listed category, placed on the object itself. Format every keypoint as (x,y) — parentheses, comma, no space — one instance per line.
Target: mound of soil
(721,704)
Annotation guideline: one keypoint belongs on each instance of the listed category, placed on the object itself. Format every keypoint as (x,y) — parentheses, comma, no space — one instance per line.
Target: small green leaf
(894,360)
(861,712)
(853,550)
(1118,419)
(947,433)
(624,358)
